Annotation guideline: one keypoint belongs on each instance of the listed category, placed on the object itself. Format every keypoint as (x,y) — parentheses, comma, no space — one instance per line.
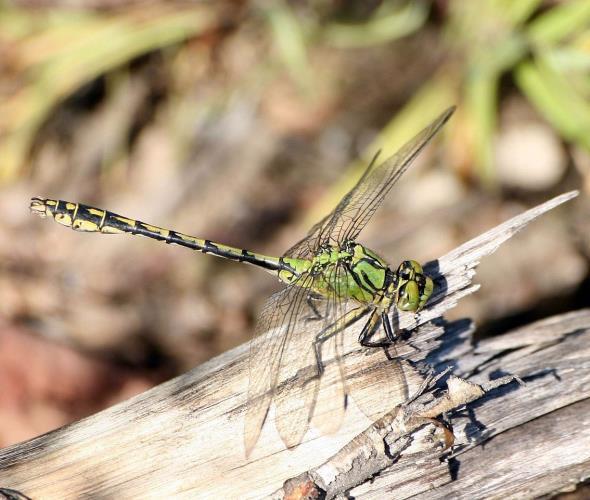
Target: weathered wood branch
(537,437)
(184,438)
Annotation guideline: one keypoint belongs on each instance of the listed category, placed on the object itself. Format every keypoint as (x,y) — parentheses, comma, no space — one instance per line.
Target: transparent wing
(276,323)
(330,405)
(307,247)
(283,363)
(356,208)
(304,396)
(298,377)
(378,379)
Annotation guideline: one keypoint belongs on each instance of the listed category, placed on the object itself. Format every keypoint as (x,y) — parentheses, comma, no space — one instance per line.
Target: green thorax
(348,271)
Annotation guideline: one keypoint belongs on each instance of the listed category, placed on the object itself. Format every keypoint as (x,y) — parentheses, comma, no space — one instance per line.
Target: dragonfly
(332,282)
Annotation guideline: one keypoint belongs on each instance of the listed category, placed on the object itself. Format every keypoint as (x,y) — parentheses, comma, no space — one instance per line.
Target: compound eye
(409,297)
(404,270)
(427,290)
(416,267)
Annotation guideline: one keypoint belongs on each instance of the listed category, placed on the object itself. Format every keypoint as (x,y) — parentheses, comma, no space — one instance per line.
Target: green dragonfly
(331,281)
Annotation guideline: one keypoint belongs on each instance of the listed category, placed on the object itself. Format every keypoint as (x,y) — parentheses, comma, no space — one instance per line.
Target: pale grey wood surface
(536,438)
(183,439)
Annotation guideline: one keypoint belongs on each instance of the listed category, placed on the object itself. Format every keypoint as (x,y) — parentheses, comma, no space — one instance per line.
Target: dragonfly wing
(307,247)
(297,375)
(332,395)
(275,325)
(355,209)
(378,379)
(306,396)
(303,395)
(377,382)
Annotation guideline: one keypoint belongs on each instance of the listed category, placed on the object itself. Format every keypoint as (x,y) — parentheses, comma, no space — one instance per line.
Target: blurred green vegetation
(542,47)
(52,53)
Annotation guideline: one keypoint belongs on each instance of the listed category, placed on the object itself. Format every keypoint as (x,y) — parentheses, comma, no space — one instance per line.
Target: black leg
(369,330)
(365,333)
(317,345)
(368,343)
(310,302)
(391,336)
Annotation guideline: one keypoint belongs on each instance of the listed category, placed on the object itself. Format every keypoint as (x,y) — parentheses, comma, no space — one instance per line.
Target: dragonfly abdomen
(80,217)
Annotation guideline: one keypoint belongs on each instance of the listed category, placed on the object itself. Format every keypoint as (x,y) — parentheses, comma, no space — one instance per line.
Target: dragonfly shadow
(455,334)
(476,432)
(441,286)
(453,465)
(11,494)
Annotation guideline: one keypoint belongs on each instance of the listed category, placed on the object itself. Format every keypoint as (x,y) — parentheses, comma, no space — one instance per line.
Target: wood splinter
(401,431)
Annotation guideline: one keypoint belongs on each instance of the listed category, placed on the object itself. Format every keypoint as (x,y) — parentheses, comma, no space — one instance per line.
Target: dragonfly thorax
(350,271)
(369,279)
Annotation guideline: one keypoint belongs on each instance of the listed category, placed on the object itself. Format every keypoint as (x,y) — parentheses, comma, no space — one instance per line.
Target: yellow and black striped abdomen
(90,219)
(81,217)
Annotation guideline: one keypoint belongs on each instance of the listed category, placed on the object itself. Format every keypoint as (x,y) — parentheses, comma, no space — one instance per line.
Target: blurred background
(243,122)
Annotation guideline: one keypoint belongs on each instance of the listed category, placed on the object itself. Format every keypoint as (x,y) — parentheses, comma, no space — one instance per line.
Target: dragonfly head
(413,288)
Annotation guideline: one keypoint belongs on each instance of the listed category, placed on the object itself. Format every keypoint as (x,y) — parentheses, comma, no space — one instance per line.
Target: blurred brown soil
(46,385)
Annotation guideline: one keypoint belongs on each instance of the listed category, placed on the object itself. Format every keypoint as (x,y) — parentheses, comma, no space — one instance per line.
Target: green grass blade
(560,22)
(67,51)
(387,24)
(556,100)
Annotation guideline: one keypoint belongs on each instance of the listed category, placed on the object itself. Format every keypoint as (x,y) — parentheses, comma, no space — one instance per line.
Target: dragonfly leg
(318,357)
(391,336)
(370,328)
(339,325)
(417,318)
(311,300)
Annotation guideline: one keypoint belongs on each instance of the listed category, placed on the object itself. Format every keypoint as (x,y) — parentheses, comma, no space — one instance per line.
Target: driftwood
(184,438)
